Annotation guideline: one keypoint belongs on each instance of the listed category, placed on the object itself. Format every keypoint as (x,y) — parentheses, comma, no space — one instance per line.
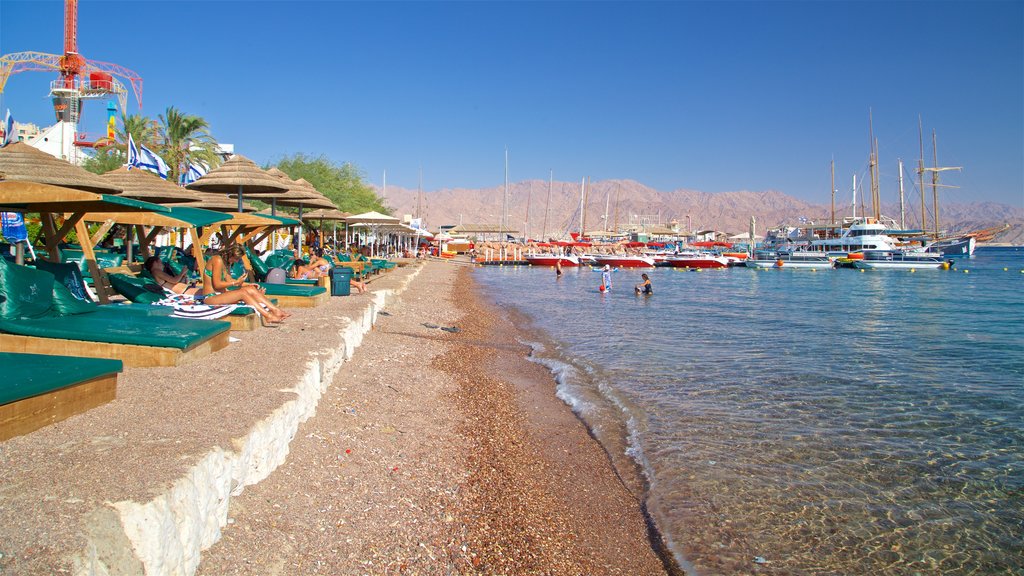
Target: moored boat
(623,261)
(901,260)
(552,260)
(797,259)
(697,260)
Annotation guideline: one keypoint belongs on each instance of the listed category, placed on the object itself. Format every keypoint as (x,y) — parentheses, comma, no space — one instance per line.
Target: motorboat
(624,260)
(566,260)
(862,234)
(902,260)
(795,259)
(697,260)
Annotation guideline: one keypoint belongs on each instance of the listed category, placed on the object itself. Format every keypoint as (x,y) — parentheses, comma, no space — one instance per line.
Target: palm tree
(185,139)
(114,154)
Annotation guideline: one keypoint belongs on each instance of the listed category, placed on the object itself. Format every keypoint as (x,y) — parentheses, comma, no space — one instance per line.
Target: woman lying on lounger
(217,284)
(316,268)
(166,278)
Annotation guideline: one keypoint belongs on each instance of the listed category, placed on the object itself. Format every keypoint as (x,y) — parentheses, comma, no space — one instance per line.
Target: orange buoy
(779,263)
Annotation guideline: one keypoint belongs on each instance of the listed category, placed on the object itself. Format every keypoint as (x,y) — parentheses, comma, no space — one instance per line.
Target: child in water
(645,286)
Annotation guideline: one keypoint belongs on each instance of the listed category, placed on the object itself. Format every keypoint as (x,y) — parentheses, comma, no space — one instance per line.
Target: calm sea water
(798,422)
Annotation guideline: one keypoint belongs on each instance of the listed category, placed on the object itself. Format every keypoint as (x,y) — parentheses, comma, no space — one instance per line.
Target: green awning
(282,219)
(134,205)
(198,217)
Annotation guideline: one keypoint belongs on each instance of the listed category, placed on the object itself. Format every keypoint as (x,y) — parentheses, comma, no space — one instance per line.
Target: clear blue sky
(712,96)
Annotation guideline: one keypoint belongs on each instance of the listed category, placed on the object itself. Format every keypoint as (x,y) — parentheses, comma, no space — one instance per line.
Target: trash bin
(341,278)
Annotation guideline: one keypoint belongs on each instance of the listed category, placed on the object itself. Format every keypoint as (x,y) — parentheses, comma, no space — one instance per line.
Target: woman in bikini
(217,284)
(166,278)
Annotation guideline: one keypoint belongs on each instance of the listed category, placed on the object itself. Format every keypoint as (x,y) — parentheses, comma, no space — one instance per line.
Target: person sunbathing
(166,278)
(218,284)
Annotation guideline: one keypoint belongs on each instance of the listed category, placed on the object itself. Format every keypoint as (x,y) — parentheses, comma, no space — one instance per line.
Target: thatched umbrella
(144,185)
(240,176)
(327,214)
(217,202)
(20,162)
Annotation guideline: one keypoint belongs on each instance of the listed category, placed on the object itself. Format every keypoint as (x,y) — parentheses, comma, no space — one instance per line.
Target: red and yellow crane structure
(80,78)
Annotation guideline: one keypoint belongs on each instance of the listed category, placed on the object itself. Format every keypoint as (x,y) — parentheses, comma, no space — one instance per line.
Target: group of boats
(857,243)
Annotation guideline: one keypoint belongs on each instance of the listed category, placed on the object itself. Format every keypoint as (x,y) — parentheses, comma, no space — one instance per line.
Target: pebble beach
(400,431)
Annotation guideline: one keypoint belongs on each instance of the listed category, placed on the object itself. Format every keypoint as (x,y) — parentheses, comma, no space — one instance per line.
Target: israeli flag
(148,160)
(133,153)
(194,172)
(144,158)
(8,129)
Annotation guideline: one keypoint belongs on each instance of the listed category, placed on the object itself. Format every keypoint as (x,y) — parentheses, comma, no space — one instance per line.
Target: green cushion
(65,303)
(292,290)
(259,267)
(103,260)
(67,274)
(107,324)
(280,260)
(24,292)
(27,375)
(134,289)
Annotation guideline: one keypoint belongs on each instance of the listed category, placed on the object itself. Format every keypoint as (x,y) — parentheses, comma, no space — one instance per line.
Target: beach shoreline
(409,464)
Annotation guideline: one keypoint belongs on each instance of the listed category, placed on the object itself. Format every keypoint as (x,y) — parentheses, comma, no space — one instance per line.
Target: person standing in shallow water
(606,278)
(558,268)
(645,286)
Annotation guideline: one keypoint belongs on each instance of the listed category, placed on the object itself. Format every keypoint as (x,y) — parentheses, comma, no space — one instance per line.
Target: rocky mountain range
(619,203)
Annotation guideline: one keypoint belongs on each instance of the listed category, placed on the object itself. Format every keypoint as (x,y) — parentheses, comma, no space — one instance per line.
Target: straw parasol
(23,163)
(144,185)
(240,176)
(300,194)
(217,202)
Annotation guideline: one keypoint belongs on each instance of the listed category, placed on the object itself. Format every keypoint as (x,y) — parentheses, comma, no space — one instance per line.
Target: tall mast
(935,184)
(607,205)
(854,195)
(873,167)
(504,202)
(384,192)
(920,172)
(903,219)
(832,166)
(583,216)
(526,223)
(618,188)
(583,192)
(547,207)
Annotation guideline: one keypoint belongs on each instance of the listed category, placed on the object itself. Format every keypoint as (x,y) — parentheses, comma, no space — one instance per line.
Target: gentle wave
(790,421)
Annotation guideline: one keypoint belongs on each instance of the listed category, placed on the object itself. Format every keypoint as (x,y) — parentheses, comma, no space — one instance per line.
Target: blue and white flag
(148,160)
(133,152)
(194,172)
(142,157)
(8,129)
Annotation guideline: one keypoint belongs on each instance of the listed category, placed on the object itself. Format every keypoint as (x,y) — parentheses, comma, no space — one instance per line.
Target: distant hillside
(628,201)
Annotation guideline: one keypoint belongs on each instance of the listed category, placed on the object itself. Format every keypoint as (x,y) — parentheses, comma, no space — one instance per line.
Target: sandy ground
(432,452)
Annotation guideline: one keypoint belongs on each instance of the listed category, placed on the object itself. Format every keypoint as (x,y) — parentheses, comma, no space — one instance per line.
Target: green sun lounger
(242,318)
(39,315)
(39,390)
(260,269)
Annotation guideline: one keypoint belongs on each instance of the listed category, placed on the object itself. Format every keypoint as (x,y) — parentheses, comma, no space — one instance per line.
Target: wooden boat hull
(552,260)
(625,261)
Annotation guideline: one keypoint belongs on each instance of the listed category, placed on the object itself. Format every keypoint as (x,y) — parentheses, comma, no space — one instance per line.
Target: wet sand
(430,452)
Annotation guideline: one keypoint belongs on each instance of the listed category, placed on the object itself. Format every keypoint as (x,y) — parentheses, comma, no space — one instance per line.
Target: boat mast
(873,169)
(583,209)
(920,172)
(854,196)
(935,169)
(618,189)
(526,224)
(832,165)
(607,205)
(547,208)
(504,203)
(583,192)
(419,195)
(903,222)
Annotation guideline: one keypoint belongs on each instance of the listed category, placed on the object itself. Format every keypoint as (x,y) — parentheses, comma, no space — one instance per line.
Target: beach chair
(260,270)
(40,390)
(41,316)
(290,295)
(142,292)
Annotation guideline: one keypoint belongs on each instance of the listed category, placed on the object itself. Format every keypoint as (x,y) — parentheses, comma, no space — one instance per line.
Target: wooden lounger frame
(28,414)
(133,356)
(301,301)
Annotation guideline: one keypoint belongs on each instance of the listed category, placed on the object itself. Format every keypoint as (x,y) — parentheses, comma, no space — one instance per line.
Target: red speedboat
(697,260)
(624,261)
(552,260)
